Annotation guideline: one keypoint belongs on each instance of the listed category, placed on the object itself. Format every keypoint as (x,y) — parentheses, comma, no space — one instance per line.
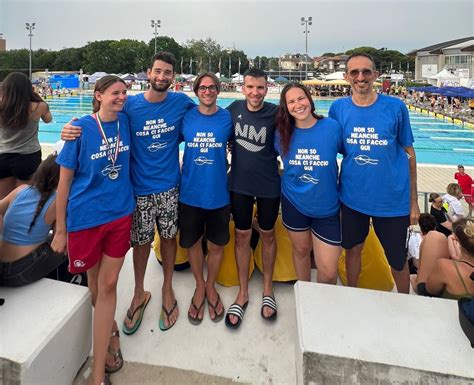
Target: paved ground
(258,353)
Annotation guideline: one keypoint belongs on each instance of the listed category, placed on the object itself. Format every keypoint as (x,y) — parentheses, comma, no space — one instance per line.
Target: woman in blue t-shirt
(308,145)
(95,190)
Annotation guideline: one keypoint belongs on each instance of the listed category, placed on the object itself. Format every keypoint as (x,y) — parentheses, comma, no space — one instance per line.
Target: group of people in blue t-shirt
(120,179)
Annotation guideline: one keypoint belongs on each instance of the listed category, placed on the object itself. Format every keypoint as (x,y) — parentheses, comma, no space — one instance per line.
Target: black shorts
(19,166)
(421,290)
(195,222)
(391,232)
(242,210)
(327,229)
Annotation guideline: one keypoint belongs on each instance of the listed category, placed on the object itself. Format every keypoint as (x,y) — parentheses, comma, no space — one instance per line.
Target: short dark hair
(427,222)
(460,166)
(198,80)
(363,54)
(255,73)
(165,56)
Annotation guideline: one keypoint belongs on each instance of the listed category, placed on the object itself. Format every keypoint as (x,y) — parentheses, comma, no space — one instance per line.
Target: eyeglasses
(366,72)
(211,88)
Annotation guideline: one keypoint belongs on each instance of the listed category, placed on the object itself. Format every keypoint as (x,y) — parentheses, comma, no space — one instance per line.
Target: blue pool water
(436,141)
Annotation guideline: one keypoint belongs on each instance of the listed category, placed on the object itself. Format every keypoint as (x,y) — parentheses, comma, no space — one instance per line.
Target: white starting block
(359,336)
(45,333)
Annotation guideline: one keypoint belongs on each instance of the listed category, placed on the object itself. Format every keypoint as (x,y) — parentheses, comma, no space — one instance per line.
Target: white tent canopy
(339,75)
(96,76)
(444,78)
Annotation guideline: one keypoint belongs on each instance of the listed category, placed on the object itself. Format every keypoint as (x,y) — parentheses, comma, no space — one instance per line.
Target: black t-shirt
(441,217)
(254,159)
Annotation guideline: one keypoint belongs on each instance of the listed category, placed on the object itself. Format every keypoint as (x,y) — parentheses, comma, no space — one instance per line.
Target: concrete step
(358,336)
(45,333)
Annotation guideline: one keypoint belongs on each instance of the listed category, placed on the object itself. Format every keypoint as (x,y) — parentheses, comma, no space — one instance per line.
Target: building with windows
(295,61)
(455,57)
(329,64)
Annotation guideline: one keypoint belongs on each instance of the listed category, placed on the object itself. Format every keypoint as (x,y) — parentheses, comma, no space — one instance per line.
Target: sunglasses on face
(366,72)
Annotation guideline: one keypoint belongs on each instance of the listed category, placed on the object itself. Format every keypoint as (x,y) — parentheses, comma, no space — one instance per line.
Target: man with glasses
(254,178)
(378,172)
(204,197)
(155,124)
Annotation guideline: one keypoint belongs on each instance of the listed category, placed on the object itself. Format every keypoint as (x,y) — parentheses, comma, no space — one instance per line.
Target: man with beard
(155,123)
(254,178)
(378,172)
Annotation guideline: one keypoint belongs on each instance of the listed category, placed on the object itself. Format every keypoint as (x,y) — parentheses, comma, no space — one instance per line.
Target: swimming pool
(436,141)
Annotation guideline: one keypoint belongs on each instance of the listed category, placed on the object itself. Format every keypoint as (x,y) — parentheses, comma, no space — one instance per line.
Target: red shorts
(86,247)
(467,197)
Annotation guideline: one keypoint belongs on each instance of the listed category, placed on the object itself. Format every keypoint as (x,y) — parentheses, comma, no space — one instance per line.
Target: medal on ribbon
(112,153)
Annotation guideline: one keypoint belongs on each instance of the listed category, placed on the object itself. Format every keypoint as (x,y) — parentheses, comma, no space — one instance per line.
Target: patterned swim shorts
(160,209)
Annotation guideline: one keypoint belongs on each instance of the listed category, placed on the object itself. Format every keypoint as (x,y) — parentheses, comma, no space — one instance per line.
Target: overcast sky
(257,27)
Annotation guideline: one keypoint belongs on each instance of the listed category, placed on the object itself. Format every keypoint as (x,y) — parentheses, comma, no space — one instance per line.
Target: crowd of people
(130,144)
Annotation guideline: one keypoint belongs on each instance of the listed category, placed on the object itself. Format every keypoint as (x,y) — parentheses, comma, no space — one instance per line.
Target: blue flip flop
(141,310)
(166,313)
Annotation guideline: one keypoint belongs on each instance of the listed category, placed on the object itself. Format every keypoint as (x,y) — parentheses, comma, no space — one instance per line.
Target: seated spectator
(447,263)
(443,223)
(452,198)
(427,223)
(465,181)
(29,213)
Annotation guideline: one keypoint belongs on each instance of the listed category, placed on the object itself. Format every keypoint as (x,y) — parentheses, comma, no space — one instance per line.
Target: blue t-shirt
(375,177)
(155,129)
(310,175)
(94,198)
(204,174)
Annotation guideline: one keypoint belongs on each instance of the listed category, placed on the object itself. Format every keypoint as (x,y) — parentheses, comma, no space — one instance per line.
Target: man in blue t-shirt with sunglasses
(378,172)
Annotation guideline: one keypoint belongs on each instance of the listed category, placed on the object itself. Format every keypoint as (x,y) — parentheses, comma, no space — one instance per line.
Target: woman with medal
(96,194)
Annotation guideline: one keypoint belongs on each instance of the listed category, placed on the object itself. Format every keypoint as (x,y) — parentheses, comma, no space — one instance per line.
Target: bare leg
(353,264)
(196,260)
(214,260)
(327,257)
(269,249)
(105,304)
(301,246)
(242,258)
(140,260)
(168,255)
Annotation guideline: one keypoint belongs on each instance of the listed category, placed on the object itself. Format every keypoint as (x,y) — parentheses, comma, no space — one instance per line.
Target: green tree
(69,59)
(386,60)
(45,59)
(98,56)
(130,56)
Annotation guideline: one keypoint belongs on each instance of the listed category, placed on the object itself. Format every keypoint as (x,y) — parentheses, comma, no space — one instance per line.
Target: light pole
(306,22)
(155,24)
(30,28)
